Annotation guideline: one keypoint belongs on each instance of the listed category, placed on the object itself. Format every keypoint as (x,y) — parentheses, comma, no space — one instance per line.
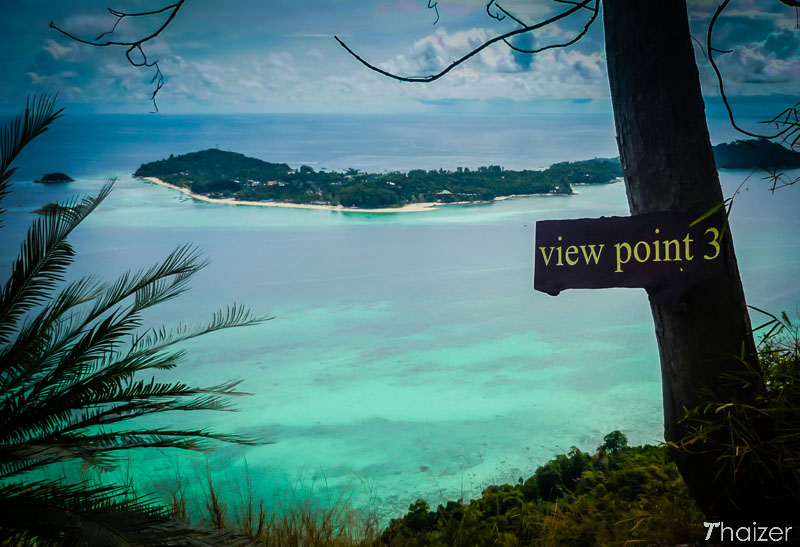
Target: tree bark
(669,166)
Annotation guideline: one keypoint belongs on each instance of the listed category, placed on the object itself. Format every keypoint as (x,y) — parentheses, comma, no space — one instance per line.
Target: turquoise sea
(408,356)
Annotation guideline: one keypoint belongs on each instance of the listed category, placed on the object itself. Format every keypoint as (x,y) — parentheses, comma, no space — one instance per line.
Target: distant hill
(212,165)
(51,178)
(217,173)
(755,153)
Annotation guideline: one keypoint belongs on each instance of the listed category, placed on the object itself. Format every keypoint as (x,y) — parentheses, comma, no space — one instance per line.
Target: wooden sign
(662,252)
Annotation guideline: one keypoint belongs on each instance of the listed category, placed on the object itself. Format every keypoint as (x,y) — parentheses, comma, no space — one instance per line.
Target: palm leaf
(39,114)
(69,359)
(52,336)
(50,513)
(43,259)
(46,330)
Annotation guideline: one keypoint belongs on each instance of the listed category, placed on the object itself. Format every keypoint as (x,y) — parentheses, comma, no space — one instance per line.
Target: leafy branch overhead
(71,359)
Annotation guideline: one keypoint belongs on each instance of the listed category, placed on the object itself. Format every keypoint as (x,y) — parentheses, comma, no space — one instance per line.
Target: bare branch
(787,123)
(505,12)
(569,2)
(592,19)
(700,45)
(721,84)
(494,15)
(454,64)
(133,47)
(434,5)
(789,118)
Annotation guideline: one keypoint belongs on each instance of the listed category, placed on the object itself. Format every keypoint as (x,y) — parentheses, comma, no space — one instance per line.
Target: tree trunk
(669,166)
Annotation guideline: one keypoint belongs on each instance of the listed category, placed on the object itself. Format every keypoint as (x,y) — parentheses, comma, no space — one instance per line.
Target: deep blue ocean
(409,356)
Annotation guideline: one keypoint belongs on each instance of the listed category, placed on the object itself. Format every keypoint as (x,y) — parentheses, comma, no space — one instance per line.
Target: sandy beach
(410,208)
(544,195)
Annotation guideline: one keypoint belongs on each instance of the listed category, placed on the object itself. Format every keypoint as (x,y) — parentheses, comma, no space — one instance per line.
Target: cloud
(321,79)
(764,44)
(435,52)
(58,50)
(216,58)
(783,44)
(498,72)
(90,26)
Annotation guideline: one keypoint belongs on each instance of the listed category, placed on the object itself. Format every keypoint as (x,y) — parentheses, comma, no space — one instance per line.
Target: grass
(619,495)
(297,519)
(622,495)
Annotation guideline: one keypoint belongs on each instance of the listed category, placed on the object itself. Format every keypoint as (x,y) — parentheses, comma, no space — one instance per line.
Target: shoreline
(408,208)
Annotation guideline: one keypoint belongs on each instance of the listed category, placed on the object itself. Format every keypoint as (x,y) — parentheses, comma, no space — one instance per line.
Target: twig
(720,81)
(569,2)
(506,13)
(434,5)
(494,15)
(454,64)
(135,45)
(595,10)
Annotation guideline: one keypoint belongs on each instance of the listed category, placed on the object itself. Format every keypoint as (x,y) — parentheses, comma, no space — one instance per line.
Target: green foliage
(216,186)
(217,173)
(756,440)
(211,165)
(71,360)
(614,442)
(633,495)
(295,518)
(367,197)
(780,363)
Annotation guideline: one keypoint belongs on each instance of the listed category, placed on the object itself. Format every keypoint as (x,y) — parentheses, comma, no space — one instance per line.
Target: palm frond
(70,356)
(68,344)
(43,259)
(157,284)
(233,316)
(55,514)
(25,355)
(98,449)
(92,374)
(39,114)
(116,368)
(55,409)
(103,404)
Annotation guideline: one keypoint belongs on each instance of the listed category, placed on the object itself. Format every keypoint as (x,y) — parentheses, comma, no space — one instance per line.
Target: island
(231,177)
(52,178)
(755,154)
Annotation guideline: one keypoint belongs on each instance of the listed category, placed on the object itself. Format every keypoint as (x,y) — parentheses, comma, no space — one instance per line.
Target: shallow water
(409,356)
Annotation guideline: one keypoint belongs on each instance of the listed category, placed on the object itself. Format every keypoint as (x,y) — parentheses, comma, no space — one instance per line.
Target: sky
(240,56)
